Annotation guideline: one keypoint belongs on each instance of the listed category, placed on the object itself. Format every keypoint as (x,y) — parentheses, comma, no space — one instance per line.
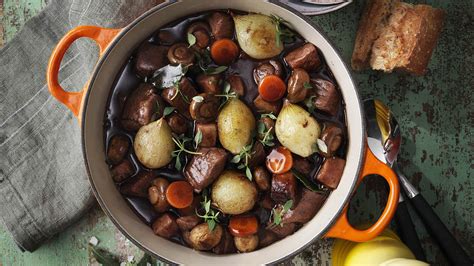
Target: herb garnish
(309,104)
(168,110)
(191,39)
(269,115)
(177,87)
(243,159)
(211,216)
(265,133)
(283,32)
(268,137)
(322,145)
(307,85)
(227,94)
(181,142)
(198,98)
(197,138)
(213,70)
(167,76)
(307,183)
(278,213)
(103,256)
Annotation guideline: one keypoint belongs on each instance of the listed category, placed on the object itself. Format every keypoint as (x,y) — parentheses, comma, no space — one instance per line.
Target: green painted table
(436,116)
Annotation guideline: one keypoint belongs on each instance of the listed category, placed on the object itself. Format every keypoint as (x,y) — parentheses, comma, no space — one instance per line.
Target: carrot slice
(272,88)
(243,225)
(180,194)
(279,160)
(224,51)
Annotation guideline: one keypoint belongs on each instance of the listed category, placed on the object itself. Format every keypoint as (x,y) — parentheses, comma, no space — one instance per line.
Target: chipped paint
(436,116)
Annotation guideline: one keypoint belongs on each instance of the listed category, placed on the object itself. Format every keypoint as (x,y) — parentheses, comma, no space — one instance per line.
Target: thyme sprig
(243,159)
(283,31)
(211,217)
(278,212)
(179,92)
(226,94)
(268,138)
(181,141)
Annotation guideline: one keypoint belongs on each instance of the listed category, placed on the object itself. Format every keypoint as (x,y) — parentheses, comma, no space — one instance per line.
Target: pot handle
(73,100)
(343,229)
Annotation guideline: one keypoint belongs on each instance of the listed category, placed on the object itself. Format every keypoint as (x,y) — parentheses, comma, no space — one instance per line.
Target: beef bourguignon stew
(225,131)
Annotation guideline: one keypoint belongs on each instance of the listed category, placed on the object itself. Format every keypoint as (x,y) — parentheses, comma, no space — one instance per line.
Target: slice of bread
(373,21)
(393,35)
(408,40)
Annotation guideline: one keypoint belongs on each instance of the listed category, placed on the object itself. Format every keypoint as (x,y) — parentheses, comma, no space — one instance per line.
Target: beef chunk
(138,186)
(181,97)
(284,188)
(305,57)
(327,96)
(118,148)
(267,107)
(307,207)
(332,136)
(226,245)
(142,107)
(266,238)
(165,226)
(302,165)
(236,84)
(150,58)
(209,83)
(257,155)
(331,172)
(186,223)
(177,123)
(283,230)
(205,167)
(122,171)
(222,25)
(266,201)
(209,134)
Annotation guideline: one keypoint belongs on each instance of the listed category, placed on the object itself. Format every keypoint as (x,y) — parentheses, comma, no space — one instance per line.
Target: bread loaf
(404,40)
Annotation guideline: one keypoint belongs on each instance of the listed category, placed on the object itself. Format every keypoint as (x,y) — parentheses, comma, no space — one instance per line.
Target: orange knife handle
(73,100)
(344,230)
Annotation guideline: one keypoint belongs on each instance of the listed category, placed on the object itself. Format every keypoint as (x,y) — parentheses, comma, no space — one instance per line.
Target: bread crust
(374,19)
(403,39)
(432,23)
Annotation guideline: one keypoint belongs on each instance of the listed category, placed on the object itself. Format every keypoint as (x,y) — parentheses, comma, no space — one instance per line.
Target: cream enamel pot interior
(89,105)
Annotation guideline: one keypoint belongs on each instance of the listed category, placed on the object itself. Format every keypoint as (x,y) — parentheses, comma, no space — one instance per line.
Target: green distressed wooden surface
(436,116)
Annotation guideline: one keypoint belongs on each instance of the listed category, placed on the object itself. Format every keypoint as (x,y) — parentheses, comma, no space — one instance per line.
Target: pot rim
(118,39)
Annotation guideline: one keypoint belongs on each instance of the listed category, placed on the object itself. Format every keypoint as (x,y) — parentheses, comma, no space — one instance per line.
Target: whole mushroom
(180,53)
(204,107)
(157,194)
(270,67)
(200,30)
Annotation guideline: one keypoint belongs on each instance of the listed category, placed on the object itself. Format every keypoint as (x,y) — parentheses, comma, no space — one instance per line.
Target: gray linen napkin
(43,183)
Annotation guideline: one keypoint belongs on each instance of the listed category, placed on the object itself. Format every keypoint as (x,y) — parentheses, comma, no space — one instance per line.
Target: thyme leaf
(168,110)
(191,39)
(197,138)
(211,217)
(181,143)
(278,212)
(307,85)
